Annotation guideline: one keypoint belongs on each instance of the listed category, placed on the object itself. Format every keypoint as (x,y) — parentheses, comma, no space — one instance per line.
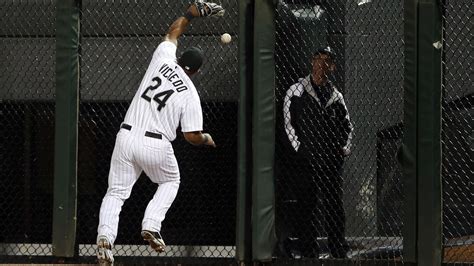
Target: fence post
(429,133)
(409,147)
(422,140)
(263,195)
(65,160)
(244,187)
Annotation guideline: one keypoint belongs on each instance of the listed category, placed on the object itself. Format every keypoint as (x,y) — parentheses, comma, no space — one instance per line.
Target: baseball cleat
(155,240)
(104,251)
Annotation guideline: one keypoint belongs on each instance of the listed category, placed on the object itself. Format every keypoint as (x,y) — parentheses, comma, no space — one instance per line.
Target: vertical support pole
(409,147)
(263,195)
(244,184)
(429,133)
(422,140)
(65,160)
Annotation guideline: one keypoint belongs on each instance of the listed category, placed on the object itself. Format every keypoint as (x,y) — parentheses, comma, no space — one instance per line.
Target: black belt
(147,133)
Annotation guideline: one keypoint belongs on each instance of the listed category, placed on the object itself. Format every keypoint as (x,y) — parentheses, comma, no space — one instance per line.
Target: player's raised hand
(206,9)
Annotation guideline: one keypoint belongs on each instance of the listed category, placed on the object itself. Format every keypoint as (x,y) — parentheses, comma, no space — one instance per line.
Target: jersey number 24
(161,97)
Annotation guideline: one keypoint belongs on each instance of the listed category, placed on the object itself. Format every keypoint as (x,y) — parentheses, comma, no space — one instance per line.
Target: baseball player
(318,126)
(166,98)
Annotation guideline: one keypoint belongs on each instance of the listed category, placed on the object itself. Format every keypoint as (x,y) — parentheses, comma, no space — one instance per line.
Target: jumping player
(165,98)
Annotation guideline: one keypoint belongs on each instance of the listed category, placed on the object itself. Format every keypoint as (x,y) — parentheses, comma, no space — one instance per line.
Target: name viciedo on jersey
(161,97)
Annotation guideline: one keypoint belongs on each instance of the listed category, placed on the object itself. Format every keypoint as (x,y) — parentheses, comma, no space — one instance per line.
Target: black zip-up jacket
(321,133)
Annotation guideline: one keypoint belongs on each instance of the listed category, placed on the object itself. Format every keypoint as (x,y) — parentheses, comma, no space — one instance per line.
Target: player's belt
(147,133)
(126,126)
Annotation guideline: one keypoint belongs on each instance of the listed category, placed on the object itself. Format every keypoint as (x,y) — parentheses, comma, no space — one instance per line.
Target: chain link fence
(333,200)
(117,41)
(339,187)
(457,132)
(27,74)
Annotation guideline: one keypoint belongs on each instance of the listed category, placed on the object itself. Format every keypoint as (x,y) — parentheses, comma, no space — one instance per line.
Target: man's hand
(197,138)
(206,9)
(209,141)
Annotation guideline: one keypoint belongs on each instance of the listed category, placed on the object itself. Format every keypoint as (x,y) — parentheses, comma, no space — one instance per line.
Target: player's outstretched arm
(198,138)
(180,24)
(197,9)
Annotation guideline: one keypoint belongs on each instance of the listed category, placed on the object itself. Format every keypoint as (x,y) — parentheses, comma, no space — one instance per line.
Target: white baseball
(226,38)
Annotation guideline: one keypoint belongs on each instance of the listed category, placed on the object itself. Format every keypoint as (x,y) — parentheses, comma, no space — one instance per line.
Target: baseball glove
(208,9)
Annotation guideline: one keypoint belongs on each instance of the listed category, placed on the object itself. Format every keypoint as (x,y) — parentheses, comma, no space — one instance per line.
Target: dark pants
(321,208)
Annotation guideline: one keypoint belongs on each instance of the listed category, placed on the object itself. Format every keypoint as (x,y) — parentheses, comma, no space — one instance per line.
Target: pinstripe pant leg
(160,165)
(122,176)
(159,205)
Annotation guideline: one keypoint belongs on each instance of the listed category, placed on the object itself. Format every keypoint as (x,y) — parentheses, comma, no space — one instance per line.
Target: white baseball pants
(134,153)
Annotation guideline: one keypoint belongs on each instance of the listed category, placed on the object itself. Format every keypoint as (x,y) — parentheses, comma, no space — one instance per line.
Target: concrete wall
(119,38)
(112,68)
(27,49)
(117,41)
(27,68)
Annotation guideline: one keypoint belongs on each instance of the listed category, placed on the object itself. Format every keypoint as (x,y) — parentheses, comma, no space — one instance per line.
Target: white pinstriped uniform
(166,98)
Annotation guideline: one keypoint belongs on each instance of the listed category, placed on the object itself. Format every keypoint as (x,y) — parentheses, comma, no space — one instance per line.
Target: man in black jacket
(318,126)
